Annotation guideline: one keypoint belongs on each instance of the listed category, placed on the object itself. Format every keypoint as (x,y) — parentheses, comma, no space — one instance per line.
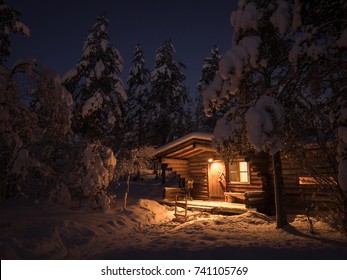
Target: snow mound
(253,218)
(148,212)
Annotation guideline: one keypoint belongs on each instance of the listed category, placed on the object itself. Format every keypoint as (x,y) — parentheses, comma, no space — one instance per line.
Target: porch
(213,207)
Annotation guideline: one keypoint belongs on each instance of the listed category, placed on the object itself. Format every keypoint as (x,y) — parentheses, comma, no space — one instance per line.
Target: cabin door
(216,180)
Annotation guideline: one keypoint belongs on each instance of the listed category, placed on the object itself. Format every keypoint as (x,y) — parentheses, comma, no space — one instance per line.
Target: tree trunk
(163,173)
(126,193)
(281,216)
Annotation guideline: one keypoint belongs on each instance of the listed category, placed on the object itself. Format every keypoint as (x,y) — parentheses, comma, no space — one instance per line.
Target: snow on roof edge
(192,135)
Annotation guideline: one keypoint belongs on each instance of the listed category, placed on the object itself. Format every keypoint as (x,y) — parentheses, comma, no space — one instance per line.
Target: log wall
(303,198)
(198,171)
(260,195)
(258,167)
(297,197)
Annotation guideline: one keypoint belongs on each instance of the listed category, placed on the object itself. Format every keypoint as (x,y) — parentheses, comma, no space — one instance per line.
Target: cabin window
(313,181)
(239,172)
(307,181)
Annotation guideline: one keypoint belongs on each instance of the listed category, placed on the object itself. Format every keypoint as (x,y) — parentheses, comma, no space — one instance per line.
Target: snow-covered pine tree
(292,51)
(98,170)
(169,97)
(318,57)
(249,70)
(36,113)
(137,103)
(9,24)
(209,69)
(98,89)
(35,121)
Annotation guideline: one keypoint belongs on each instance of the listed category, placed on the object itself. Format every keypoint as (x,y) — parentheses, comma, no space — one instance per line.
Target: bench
(233,196)
(170,193)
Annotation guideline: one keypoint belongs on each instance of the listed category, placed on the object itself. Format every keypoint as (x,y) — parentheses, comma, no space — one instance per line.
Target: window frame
(238,173)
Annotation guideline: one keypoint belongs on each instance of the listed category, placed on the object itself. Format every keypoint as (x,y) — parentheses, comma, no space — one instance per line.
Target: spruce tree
(97,88)
(209,69)
(169,97)
(9,24)
(293,52)
(137,103)
(247,84)
(318,57)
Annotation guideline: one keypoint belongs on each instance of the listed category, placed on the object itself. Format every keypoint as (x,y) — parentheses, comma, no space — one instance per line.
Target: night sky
(59,29)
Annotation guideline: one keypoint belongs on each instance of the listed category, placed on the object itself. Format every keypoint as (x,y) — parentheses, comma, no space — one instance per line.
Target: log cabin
(245,179)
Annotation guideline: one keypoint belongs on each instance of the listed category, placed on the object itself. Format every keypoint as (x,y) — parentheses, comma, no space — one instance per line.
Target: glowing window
(239,172)
(313,181)
(307,181)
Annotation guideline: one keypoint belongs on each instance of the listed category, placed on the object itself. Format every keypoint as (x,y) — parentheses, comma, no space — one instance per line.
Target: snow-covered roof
(194,135)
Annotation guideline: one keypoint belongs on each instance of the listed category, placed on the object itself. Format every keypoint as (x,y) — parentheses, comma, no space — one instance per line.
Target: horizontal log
(174,161)
(300,188)
(245,189)
(290,185)
(199,170)
(256,181)
(180,170)
(233,185)
(170,192)
(203,158)
(251,200)
(198,181)
(177,165)
(234,195)
(304,192)
(203,163)
(182,175)
(256,201)
(291,179)
(200,191)
(204,147)
(204,197)
(249,194)
(314,166)
(199,186)
(199,176)
(310,198)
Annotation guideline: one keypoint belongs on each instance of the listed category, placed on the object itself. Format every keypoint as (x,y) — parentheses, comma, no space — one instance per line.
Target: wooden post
(227,173)
(126,193)
(281,216)
(186,207)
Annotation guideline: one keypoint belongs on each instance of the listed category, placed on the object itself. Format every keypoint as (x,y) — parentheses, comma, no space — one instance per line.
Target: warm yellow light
(210,160)
(216,166)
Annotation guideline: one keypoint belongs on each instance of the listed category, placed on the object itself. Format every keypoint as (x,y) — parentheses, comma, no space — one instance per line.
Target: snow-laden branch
(263,121)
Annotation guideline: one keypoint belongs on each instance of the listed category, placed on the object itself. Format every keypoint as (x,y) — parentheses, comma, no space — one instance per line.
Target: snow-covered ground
(149,230)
